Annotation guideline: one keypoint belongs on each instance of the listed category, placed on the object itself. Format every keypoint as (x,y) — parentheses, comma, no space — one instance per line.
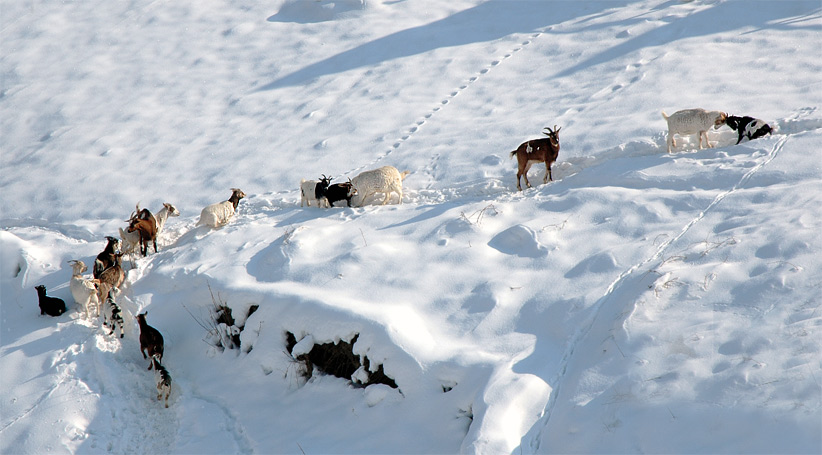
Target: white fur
(386,180)
(308,191)
(216,215)
(692,121)
(110,309)
(163,379)
(84,290)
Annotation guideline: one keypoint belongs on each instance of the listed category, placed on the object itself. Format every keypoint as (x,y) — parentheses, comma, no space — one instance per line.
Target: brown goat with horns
(544,150)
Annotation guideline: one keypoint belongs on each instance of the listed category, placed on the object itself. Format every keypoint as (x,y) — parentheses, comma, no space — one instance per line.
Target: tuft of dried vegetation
(221,328)
(338,359)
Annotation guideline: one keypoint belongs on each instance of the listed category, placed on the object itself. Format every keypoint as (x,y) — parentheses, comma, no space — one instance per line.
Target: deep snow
(642,302)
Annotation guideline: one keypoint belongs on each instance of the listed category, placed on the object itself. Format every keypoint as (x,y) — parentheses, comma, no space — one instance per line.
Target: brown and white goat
(132,239)
(544,150)
(146,227)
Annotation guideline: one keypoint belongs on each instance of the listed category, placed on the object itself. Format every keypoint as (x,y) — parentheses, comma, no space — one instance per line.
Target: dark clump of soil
(338,359)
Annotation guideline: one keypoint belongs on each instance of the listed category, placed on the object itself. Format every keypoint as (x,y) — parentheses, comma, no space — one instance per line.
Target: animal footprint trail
(628,279)
(410,131)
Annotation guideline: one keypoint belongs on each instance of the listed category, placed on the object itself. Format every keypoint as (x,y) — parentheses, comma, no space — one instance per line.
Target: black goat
(106,258)
(340,192)
(51,306)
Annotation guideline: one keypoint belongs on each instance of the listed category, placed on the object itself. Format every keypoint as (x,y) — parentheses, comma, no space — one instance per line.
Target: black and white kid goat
(748,127)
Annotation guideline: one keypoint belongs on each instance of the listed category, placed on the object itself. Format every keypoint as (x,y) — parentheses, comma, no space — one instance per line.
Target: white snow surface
(642,302)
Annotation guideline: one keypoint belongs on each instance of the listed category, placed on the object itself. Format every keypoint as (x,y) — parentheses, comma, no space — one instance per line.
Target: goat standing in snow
(544,150)
(340,192)
(163,378)
(314,190)
(51,306)
(748,127)
(693,121)
(105,259)
(83,289)
(218,214)
(112,315)
(132,239)
(110,278)
(151,341)
(147,229)
(386,180)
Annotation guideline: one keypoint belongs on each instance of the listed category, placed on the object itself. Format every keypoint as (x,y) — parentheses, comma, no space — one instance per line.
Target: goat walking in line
(220,213)
(151,340)
(163,378)
(544,150)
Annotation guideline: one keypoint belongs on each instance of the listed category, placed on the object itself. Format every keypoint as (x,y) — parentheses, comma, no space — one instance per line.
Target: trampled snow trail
(626,281)
(129,418)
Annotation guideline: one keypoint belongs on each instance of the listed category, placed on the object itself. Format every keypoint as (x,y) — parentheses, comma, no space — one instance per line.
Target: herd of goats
(97,294)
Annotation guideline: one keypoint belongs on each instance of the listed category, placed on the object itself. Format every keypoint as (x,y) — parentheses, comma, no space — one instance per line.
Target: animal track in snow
(445,102)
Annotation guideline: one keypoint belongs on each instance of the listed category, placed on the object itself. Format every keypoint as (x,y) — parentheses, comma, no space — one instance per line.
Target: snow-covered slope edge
(649,322)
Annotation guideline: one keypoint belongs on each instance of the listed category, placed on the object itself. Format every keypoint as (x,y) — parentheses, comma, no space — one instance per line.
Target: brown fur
(151,341)
(148,232)
(543,150)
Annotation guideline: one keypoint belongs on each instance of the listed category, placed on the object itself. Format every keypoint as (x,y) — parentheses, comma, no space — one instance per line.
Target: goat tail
(664,115)
(404,174)
(513,154)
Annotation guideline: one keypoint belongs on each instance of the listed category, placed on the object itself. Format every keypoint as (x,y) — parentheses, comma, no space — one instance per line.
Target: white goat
(131,240)
(693,121)
(216,215)
(386,179)
(84,290)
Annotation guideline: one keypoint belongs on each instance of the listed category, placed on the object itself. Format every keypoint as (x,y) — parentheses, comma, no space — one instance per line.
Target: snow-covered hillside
(641,302)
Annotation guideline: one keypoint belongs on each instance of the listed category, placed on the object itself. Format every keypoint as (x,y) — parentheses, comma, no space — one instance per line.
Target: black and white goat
(51,306)
(340,192)
(163,378)
(748,127)
(112,315)
(314,190)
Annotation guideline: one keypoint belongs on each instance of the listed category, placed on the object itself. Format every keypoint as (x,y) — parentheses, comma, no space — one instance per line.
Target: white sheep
(131,240)
(386,179)
(84,290)
(216,215)
(693,121)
